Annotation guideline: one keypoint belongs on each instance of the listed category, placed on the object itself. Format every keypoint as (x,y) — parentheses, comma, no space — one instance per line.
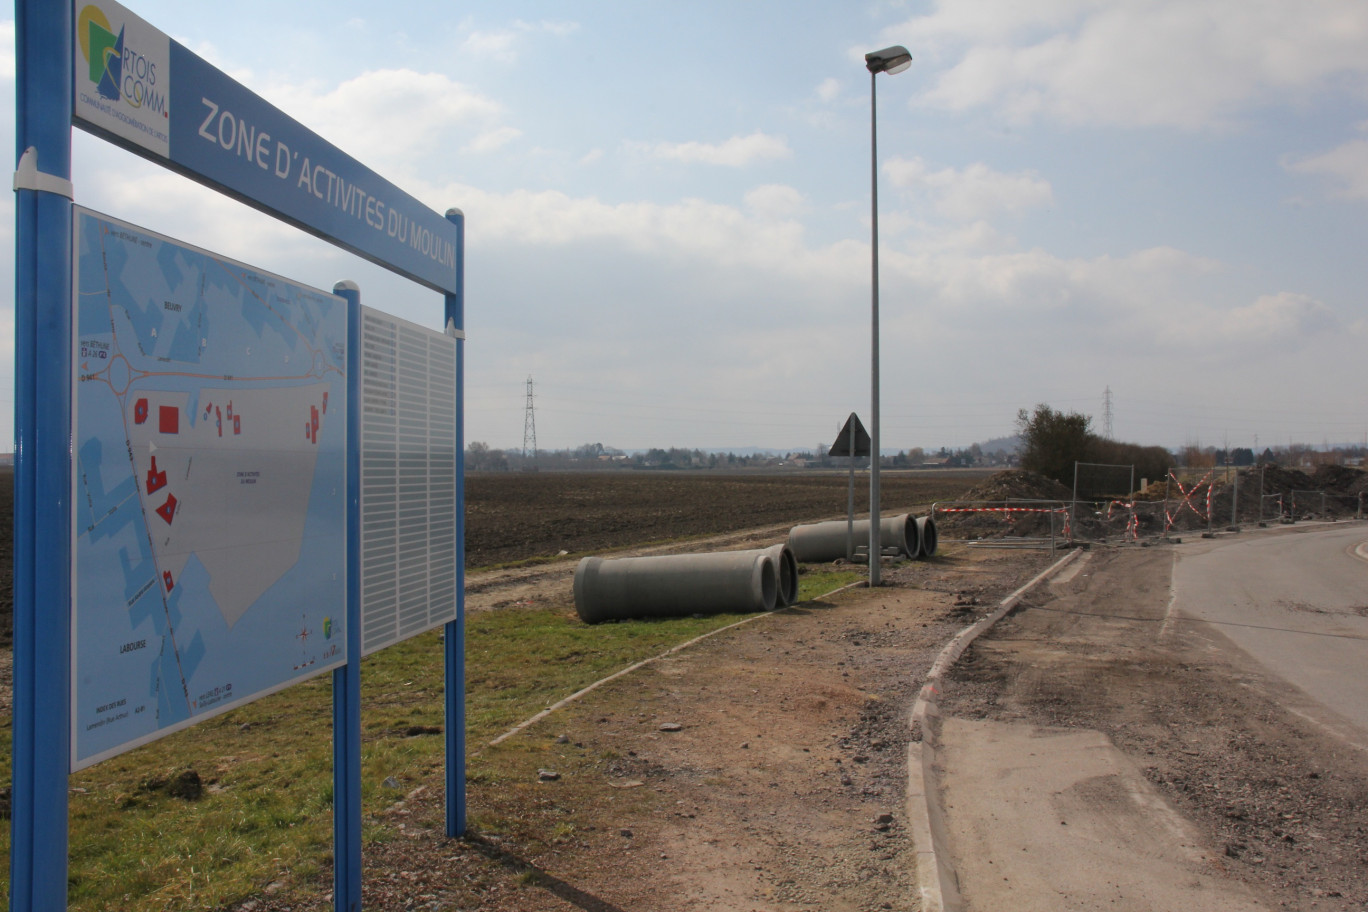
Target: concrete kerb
(936,876)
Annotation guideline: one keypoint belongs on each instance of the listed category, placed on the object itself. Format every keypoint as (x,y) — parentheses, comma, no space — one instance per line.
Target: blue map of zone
(209,485)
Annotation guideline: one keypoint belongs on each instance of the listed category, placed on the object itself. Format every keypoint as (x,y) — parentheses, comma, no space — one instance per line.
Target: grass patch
(815,584)
(266,768)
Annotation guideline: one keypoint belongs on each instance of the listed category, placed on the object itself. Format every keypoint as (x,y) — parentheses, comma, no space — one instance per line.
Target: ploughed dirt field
(516,516)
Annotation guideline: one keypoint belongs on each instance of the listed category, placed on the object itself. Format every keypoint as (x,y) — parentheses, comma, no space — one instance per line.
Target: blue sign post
(105,69)
(455,630)
(42,459)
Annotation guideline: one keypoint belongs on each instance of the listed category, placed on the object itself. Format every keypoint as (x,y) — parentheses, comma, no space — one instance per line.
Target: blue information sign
(210,518)
(137,87)
(158,425)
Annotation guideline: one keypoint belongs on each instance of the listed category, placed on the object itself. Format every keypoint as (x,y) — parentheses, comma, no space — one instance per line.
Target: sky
(668,208)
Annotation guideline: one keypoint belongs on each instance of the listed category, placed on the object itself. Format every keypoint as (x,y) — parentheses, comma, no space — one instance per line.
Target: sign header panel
(221,133)
(209,519)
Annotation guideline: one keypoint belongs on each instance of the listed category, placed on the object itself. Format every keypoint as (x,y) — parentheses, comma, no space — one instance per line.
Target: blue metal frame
(347,679)
(42,481)
(455,630)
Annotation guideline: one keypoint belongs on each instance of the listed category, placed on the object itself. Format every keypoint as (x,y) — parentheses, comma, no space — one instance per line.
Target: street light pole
(890,60)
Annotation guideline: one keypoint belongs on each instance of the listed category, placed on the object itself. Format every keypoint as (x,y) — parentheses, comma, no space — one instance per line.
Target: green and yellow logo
(102,49)
(118,71)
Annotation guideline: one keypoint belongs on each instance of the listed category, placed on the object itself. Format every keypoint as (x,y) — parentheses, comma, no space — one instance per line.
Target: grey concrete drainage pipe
(785,574)
(826,541)
(675,585)
(926,534)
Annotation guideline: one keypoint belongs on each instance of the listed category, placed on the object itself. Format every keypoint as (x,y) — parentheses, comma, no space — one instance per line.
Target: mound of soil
(1338,479)
(1017,484)
(1013,489)
(1277,480)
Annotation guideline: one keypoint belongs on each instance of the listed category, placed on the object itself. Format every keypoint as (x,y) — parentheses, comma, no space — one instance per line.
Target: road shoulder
(1280,806)
(1043,819)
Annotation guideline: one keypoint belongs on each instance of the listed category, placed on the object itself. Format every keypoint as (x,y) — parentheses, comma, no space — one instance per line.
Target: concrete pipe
(785,574)
(826,541)
(675,585)
(926,534)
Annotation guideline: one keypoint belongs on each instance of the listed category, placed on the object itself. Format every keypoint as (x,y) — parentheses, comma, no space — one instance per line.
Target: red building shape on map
(168,419)
(325,403)
(166,578)
(218,419)
(167,511)
(313,424)
(237,424)
(140,411)
(155,480)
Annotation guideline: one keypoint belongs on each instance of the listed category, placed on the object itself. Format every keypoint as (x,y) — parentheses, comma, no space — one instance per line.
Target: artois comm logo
(116,68)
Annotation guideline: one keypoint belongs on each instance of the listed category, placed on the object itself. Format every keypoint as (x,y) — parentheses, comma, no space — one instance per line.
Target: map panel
(209,485)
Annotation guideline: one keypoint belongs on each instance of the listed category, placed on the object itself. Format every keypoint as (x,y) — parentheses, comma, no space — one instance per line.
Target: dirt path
(761,769)
(1268,804)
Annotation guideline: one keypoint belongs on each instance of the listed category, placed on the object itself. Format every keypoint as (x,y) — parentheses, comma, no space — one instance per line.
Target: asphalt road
(1297,602)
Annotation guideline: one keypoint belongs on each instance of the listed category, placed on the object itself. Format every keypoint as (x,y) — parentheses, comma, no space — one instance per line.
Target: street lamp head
(890,60)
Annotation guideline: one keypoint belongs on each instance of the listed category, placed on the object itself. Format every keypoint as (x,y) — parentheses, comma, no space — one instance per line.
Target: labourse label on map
(209,485)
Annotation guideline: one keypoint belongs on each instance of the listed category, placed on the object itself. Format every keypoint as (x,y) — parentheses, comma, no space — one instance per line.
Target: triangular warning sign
(842,446)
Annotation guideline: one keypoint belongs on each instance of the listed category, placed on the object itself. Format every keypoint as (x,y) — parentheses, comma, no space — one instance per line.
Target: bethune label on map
(209,507)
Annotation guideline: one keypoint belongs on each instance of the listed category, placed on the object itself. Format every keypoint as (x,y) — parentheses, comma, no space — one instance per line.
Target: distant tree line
(1292,456)
(480,457)
(1048,442)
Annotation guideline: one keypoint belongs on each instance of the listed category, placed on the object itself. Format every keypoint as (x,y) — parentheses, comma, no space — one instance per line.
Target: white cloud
(498,45)
(492,140)
(501,45)
(736,152)
(556,27)
(1284,316)
(775,201)
(1346,164)
(171,204)
(829,89)
(390,117)
(1184,63)
(973,193)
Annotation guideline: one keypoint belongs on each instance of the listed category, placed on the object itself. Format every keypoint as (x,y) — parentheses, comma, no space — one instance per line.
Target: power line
(530,428)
